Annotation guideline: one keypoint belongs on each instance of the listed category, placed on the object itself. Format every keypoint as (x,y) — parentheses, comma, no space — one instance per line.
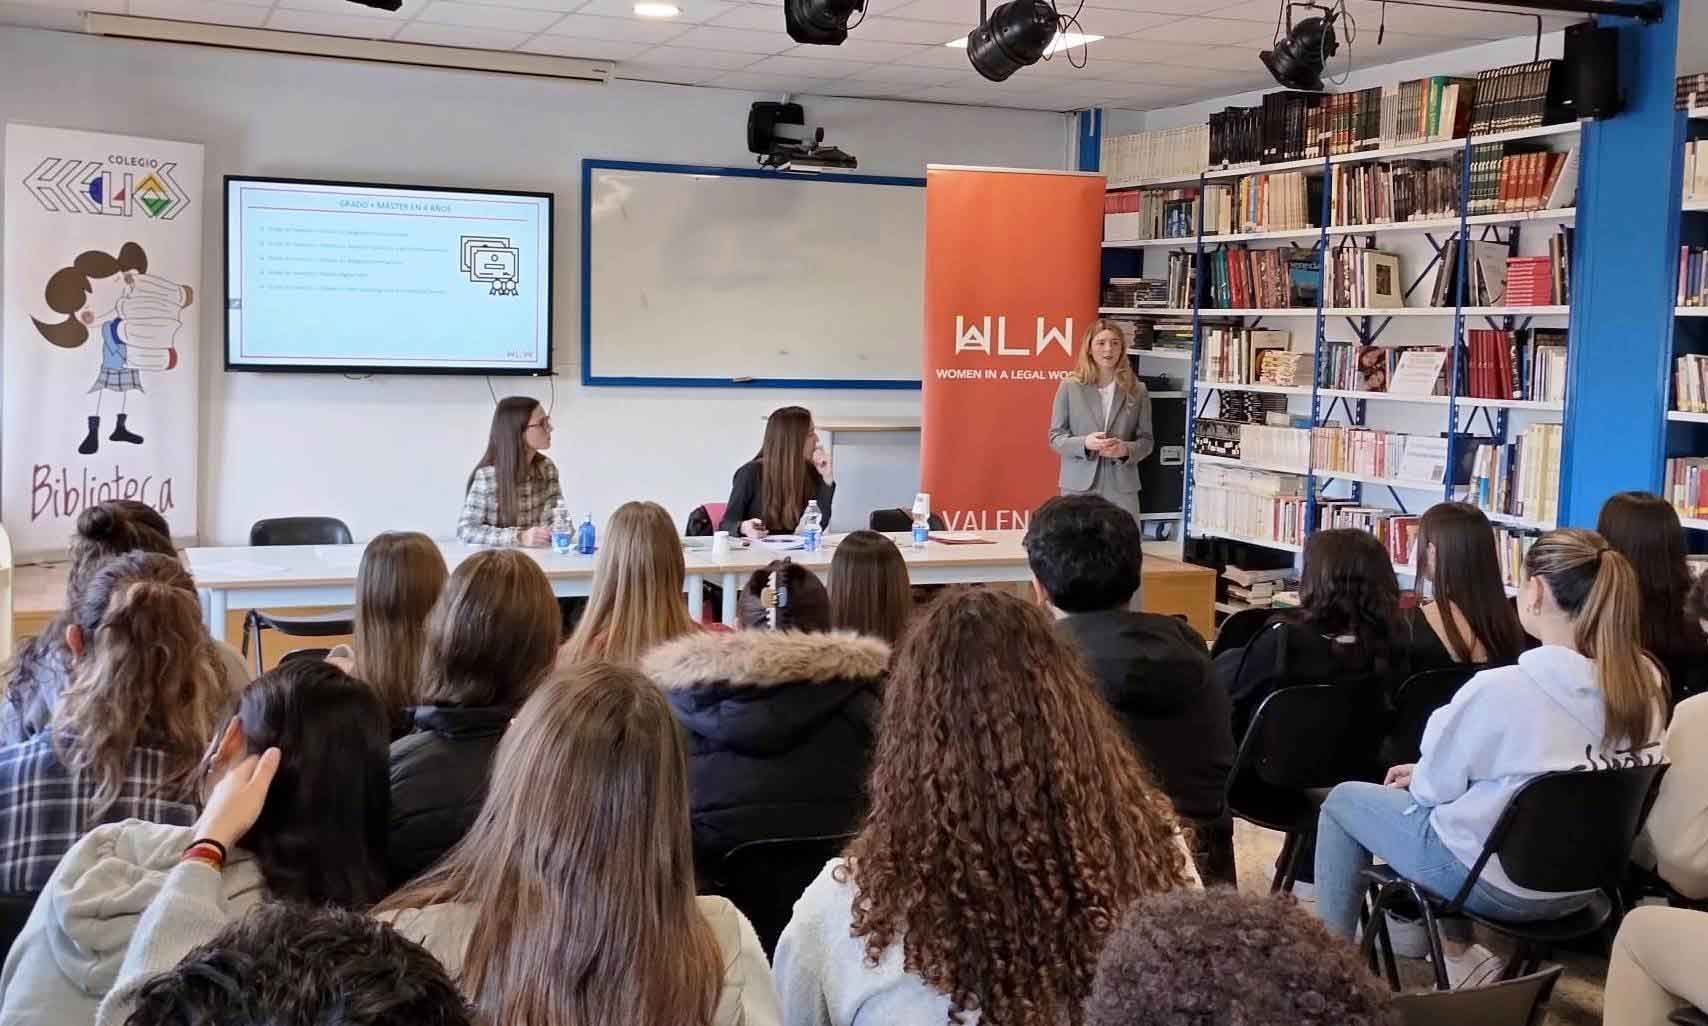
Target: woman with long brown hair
(1011,824)
(1100,422)
(513,490)
(869,591)
(401,576)
(771,491)
(1467,618)
(144,698)
(491,638)
(580,910)
(1646,530)
(1590,696)
(638,582)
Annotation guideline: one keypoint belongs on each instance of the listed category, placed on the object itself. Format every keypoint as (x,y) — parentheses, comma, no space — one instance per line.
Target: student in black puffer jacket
(780,721)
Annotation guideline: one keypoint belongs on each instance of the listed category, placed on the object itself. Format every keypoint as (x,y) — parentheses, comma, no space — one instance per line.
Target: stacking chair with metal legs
(297,531)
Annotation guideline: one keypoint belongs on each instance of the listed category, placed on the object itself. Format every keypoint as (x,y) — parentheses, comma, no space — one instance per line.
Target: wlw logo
(65,185)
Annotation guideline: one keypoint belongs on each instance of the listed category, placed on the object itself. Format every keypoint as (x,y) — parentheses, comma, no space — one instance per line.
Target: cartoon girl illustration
(138,315)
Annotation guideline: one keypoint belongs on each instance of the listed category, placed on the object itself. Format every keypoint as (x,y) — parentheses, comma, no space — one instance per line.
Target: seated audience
(571,901)
(1216,958)
(869,592)
(1646,530)
(144,697)
(41,668)
(1153,670)
(1010,823)
(770,492)
(1656,966)
(638,582)
(293,965)
(491,638)
(400,578)
(1590,693)
(317,836)
(1674,842)
(780,721)
(1467,617)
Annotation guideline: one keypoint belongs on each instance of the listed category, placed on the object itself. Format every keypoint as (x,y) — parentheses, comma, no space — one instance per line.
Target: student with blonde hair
(1100,422)
(400,578)
(571,902)
(638,583)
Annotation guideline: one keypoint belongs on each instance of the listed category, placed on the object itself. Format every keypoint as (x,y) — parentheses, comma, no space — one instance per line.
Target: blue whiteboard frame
(589,165)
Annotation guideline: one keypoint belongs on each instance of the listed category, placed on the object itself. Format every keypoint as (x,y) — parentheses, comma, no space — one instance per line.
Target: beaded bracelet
(210,852)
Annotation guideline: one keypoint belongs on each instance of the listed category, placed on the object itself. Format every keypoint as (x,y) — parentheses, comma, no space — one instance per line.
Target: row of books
(1363,278)
(1234,355)
(1528,364)
(1241,278)
(1396,531)
(1687,486)
(1389,193)
(1400,370)
(1692,276)
(1696,171)
(1690,384)
(1256,587)
(1390,455)
(1262,507)
(1522,478)
(1496,278)
(1516,177)
(1135,293)
(1511,547)
(1280,202)
(1149,334)
(1131,215)
(1162,153)
(1690,91)
(1283,448)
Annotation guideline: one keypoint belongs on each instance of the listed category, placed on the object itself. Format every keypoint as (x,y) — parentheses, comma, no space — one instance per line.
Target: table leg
(213,609)
(731,583)
(696,597)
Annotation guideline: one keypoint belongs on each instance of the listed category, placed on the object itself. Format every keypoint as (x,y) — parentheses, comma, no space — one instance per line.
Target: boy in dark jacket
(1154,670)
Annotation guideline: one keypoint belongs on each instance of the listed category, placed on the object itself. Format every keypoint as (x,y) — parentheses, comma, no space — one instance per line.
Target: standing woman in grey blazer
(1100,423)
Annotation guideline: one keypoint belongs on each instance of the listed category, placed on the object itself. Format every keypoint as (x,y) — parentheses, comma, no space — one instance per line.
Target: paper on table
(234,568)
(960,538)
(339,555)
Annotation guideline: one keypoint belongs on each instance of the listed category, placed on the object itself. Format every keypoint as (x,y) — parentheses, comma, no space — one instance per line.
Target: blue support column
(1088,139)
(1626,250)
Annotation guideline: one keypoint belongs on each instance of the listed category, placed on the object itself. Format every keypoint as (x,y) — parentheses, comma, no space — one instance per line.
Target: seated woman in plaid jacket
(514,488)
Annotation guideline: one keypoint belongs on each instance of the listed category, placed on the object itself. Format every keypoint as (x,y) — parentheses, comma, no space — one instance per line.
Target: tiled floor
(1577,999)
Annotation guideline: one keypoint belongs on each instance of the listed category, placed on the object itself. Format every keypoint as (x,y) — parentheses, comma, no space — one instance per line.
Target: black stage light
(1298,58)
(820,22)
(384,5)
(1015,35)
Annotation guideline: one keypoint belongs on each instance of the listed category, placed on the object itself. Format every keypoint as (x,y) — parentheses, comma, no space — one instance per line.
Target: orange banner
(1012,260)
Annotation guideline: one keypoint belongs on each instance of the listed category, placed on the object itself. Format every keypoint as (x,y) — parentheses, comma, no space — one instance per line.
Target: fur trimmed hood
(766,659)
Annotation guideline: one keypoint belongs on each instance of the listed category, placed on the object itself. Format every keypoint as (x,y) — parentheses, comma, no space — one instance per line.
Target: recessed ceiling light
(656,10)
(1063,41)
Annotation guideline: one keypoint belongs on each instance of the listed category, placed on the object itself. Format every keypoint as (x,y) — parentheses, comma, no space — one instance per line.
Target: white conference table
(286,576)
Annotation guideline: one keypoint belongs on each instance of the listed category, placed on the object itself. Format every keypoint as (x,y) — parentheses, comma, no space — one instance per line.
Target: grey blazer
(1077,412)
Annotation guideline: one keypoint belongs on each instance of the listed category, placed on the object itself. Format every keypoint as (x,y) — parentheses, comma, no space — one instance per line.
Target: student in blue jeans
(1589,689)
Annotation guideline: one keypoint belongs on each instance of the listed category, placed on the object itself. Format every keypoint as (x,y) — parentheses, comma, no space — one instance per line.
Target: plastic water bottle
(563,530)
(812,527)
(584,538)
(921,520)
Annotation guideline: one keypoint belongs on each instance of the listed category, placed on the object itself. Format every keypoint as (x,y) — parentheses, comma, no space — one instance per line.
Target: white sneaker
(1475,968)
(1408,936)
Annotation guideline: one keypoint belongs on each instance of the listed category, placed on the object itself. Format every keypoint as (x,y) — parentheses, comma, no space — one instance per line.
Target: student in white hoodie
(320,838)
(1588,696)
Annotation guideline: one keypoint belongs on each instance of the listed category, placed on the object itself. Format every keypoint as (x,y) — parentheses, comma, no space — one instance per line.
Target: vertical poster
(101,302)
(1011,281)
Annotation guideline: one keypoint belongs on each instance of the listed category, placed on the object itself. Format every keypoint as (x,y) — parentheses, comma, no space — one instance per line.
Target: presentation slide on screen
(336,276)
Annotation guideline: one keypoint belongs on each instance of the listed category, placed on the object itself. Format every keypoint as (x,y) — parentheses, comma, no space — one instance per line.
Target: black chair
(1562,832)
(1689,1017)
(900,521)
(297,531)
(14,913)
(296,655)
(1239,628)
(765,878)
(1520,1002)
(1293,752)
(1416,700)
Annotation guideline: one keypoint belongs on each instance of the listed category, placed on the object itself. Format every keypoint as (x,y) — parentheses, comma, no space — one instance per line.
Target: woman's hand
(236,801)
(1400,776)
(754,529)
(1096,442)
(1117,449)
(537,537)
(821,461)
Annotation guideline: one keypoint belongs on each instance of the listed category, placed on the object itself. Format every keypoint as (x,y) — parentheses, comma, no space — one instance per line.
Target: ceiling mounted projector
(1012,37)
(777,132)
(820,22)
(1298,59)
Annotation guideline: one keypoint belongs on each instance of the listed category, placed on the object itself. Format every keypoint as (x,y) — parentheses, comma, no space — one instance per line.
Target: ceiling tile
(1175,7)
(1211,31)
(486,16)
(960,12)
(753,17)
(1158,74)
(346,8)
(954,57)
(619,30)
(690,57)
(213,12)
(806,67)
(751,82)
(641,71)
(587,49)
(733,40)
(457,35)
(906,74)
(900,30)
(1099,21)
(323,24)
(694,12)
(859,48)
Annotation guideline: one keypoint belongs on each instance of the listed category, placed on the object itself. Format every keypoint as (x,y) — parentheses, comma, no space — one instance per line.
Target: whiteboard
(720,277)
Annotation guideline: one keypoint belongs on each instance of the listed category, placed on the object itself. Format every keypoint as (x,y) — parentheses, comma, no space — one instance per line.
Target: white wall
(393,452)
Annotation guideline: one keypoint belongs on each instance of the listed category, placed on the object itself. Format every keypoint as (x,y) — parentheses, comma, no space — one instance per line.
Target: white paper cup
(720,543)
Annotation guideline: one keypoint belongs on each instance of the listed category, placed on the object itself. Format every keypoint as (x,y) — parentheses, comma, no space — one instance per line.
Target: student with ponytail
(1589,694)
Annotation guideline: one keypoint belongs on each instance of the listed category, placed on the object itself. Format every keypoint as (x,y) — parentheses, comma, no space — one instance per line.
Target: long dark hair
(788,481)
(493,635)
(1349,589)
(507,454)
(1465,573)
(1644,528)
(321,835)
(869,591)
